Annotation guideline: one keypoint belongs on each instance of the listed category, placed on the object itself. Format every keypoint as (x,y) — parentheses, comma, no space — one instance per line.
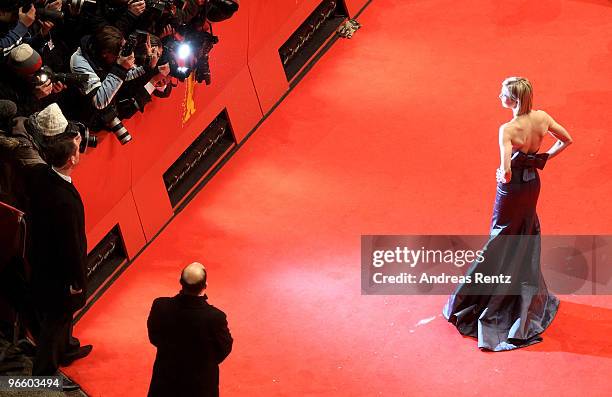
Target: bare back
(527,132)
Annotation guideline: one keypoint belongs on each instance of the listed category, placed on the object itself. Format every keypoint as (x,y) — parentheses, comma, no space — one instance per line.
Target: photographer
(41,17)
(108,64)
(40,31)
(23,85)
(207,10)
(9,38)
(190,35)
(54,37)
(122,14)
(161,82)
(135,94)
(22,147)
(100,57)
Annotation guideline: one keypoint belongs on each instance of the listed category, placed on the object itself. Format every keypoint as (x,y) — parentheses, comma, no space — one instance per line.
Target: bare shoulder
(546,120)
(541,115)
(506,128)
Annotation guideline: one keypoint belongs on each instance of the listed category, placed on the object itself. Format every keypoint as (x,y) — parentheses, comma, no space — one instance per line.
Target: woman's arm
(504,172)
(563,137)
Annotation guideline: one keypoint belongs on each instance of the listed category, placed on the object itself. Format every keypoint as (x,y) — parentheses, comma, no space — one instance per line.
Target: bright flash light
(181,69)
(184,51)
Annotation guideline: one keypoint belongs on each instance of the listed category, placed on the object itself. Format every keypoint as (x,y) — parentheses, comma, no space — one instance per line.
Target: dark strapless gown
(507,318)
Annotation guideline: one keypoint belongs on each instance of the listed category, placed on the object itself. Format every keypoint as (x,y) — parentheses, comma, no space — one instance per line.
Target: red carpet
(392,132)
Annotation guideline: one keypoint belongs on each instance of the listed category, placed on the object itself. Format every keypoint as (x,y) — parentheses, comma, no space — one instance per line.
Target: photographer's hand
(153,53)
(126,62)
(168,31)
(58,87)
(45,27)
(153,59)
(41,91)
(55,5)
(27,18)
(136,7)
(164,70)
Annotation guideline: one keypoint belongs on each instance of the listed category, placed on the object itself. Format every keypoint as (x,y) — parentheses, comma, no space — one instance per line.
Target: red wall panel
(154,208)
(271,23)
(149,191)
(125,214)
(268,76)
(103,177)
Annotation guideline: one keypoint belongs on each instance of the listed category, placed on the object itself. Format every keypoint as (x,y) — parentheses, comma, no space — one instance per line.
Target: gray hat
(48,122)
(24,60)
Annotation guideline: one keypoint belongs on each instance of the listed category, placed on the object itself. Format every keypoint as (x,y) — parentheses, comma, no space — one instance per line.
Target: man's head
(59,144)
(62,151)
(193,279)
(107,43)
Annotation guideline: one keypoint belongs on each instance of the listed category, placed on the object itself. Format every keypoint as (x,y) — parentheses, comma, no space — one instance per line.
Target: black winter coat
(192,339)
(57,248)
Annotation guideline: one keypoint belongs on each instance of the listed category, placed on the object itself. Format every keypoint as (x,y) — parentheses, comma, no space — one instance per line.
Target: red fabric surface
(392,132)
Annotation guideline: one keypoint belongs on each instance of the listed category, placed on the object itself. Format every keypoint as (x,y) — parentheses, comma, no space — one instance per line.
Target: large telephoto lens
(117,128)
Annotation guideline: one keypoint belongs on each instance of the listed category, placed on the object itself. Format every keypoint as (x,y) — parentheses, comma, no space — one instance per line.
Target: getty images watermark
(506,265)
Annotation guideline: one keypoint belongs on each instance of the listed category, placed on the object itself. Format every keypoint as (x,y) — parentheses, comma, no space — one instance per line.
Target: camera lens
(87,140)
(117,128)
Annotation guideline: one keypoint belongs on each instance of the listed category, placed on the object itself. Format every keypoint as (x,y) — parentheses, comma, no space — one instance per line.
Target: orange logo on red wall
(189,104)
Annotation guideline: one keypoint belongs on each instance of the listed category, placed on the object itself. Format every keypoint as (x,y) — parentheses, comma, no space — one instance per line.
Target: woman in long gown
(506,317)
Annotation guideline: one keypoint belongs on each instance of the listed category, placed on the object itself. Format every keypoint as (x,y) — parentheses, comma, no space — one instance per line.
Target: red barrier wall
(124,185)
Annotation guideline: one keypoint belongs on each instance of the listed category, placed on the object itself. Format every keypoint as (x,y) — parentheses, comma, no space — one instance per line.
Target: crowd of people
(70,67)
(101,61)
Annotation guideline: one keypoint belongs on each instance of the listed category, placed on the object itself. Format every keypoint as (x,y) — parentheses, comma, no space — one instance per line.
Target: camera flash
(184,51)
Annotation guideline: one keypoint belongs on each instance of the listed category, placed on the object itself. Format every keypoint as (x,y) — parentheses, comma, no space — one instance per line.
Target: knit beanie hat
(24,60)
(48,122)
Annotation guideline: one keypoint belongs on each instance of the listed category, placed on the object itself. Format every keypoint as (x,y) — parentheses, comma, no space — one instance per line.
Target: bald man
(192,339)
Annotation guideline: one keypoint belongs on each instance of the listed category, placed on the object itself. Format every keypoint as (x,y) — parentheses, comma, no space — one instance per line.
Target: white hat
(50,121)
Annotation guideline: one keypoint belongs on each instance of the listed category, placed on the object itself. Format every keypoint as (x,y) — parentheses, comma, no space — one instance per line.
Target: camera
(45,74)
(202,67)
(171,55)
(87,140)
(116,127)
(190,55)
(113,124)
(75,6)
(42,13)
(107,119)
(130,45)
(158,7)
(220,10)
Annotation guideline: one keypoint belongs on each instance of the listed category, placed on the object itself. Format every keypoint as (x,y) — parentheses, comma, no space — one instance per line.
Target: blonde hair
(520,91)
